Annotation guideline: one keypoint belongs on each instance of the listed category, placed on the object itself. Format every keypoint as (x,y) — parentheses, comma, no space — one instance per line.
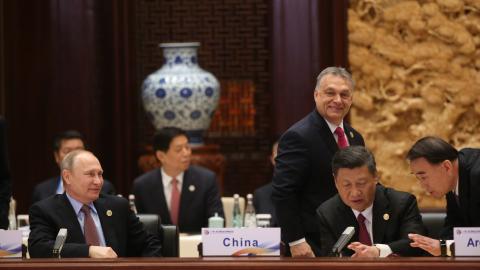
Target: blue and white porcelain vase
(181,93)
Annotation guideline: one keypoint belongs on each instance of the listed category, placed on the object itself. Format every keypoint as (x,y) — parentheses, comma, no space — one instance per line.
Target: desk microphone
(59,241)
(343,240)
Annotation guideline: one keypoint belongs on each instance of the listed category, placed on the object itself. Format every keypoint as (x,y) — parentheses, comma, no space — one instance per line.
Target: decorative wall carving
(417,69)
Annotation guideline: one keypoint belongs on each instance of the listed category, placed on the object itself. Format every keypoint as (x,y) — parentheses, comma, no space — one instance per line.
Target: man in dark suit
(303,176)
(444,171)
(99,226)
(63,144)
(5,186)
(382,217)
(262,196)
(180,193)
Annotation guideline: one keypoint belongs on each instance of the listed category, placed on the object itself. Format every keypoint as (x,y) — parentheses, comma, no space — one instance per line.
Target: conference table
(244,263)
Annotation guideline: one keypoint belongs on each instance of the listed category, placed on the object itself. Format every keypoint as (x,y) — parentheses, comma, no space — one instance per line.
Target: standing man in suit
(99,226)
(63,144)
(262,197)
(180,193)
(5,186)
(302,177)
(444,171)
(382,217)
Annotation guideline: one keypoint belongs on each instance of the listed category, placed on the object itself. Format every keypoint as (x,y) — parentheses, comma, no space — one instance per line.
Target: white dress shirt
(385,250)
(167,185)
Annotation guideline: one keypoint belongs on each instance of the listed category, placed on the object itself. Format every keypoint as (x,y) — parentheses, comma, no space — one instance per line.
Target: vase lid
(179,44)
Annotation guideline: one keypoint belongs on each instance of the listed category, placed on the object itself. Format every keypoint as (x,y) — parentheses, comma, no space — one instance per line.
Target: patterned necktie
(89,228)
(363,235)
(174,201)
(342,140)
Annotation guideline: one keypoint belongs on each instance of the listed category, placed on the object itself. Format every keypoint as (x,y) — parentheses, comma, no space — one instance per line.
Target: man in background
(382,217)
(262,197)
(181,194)
(303,177)
(444,171)
(63,144)
(5,186)
(98,225)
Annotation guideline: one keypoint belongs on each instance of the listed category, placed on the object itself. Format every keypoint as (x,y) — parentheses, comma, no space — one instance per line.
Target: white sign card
(241,241)
(11,243)
(467,241)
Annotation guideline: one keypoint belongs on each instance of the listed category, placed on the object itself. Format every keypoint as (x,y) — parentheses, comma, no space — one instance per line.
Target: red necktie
(174,202)
(89,228)
(342,140)
(363,235)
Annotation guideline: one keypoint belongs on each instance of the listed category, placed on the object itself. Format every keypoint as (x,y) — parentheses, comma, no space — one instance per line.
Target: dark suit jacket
(123,232)
(303,175)
(262,201)
(48,188)
(468,214)
(199,199)
(403,218)
(5,186)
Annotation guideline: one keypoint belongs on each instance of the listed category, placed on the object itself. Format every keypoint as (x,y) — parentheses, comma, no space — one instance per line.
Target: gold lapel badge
(386,216)
(191,188)
(351,134)
(109,213)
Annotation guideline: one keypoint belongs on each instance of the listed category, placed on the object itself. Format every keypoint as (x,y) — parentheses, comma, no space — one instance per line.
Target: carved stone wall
(417,69)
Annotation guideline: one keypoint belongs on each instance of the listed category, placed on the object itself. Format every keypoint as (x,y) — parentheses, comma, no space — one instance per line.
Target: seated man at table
(63,144)
(99,226)
(181,194)
(382,217)
(262,196)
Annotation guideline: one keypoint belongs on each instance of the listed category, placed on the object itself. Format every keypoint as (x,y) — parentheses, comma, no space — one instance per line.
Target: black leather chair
(434,222)
(167,233)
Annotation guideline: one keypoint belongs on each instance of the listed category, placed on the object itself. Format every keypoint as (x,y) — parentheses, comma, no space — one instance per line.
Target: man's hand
(101,252)
(302,250)
(428,244)
(364,251)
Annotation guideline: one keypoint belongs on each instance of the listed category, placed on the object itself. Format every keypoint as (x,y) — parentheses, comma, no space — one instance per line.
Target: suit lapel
(108,222)
(380,211)
(352,139)
(188,191)
(347,218)
(325,132)
(75,233)
(163,207)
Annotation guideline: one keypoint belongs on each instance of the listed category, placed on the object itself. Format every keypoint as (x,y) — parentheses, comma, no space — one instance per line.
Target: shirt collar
(334,127)
(166,179)
(78,205)
(367,213)
(456,191)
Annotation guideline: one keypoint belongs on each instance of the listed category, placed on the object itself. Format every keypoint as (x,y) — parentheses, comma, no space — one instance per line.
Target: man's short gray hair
(336,71)
(69,160)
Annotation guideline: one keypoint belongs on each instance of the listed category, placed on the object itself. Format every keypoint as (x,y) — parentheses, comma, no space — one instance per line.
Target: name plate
(11,243)
(467,241)
(241,241)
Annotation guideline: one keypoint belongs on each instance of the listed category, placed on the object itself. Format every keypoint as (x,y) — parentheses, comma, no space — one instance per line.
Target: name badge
(11,243)
(467,241)
(241,241)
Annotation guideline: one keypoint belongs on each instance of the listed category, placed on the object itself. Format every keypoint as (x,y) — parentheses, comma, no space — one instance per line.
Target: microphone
(59,241)
(343,240)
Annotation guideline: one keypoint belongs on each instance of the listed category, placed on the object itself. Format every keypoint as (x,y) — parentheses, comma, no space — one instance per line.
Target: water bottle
(12,217)
(250,218)
(131,202)
(237,215)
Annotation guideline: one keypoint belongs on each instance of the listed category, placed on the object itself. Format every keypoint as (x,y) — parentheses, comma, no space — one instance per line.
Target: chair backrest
(167,233)
(434,222)
(228,209)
